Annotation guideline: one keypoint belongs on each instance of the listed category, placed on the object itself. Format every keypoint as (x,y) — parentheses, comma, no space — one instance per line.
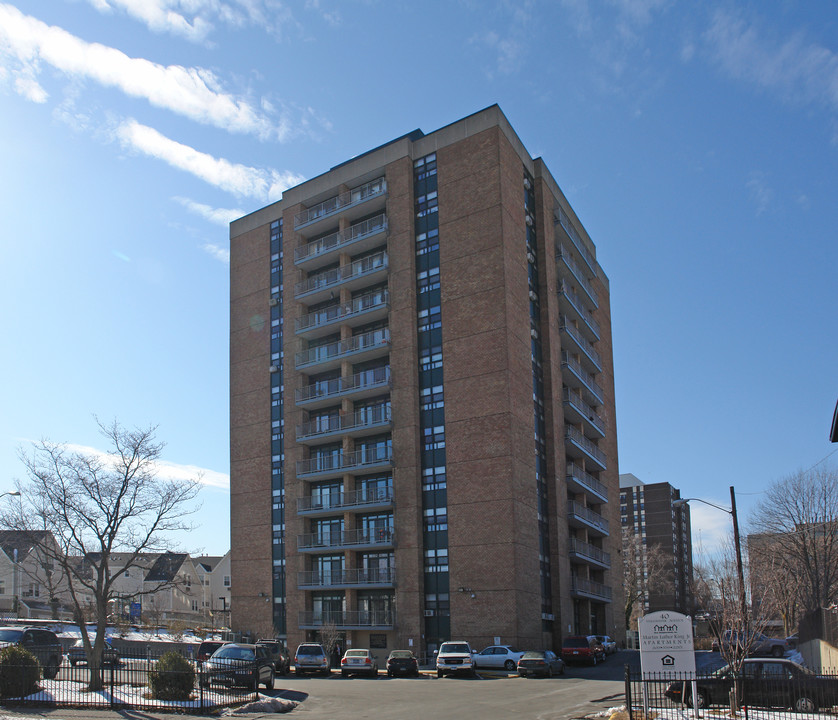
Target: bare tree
(800,515)
(104,511)
(645,571)
(775,588)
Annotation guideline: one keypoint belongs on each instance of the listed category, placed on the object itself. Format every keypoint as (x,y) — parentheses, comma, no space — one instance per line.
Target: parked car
(279,655)
(207,648)
(608,644)
(582,649)
(454,658)
(43,644)
(756,644)
(358,661)
(311,657)
(767,682)
(76,654)
(402,662)
(540,663)
(498,656)
(239,664)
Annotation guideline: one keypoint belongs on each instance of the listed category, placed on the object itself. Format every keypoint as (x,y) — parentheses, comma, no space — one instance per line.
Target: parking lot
(490,695)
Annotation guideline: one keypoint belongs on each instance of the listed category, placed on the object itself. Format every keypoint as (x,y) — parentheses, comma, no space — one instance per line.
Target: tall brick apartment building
(422,403)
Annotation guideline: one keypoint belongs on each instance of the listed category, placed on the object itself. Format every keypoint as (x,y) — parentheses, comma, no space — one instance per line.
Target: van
(43,644)
(582,649)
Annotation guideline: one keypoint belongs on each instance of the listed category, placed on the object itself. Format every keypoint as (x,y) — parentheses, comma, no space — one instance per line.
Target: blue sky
(698,144)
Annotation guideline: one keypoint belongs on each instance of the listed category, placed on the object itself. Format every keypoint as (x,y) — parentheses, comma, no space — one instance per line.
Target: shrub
(172,679)
(19,672)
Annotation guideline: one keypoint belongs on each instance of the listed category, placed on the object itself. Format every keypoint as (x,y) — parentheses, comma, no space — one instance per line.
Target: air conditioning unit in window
(529,219)
(273,301)
(274,368)
(527,183)
(530,258)
(533,296)
(534,333)
(429,613)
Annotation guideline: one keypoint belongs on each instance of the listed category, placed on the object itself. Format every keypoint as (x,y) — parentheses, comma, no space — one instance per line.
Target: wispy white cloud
(242,180)
(26,44)
(164,469)
(760,193)
(217,216)
(795,68)
(711,528)
(219,253)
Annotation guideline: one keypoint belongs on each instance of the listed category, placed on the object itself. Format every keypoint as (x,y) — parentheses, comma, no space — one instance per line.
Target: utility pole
(743,603)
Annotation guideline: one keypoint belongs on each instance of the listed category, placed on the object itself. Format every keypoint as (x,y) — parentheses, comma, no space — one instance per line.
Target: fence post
(627,675)
(113,681)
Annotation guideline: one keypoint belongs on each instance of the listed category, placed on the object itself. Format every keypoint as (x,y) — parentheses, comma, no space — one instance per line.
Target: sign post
(666,648)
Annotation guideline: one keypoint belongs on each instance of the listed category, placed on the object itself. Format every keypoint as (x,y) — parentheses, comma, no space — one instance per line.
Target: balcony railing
(583,312)
(588,516)
(576,474)
(346,577)
(329,389)
(339,313)
(336,350)
(589,588)
(340,202)
(566,223)
(590,552)
(337,240)
(338,276)
(371,417)
(347,618)
(346,500)
(584,376)
(583,344)
(565,256)
(325,539)
(584,409)
(592,451)
(345,462)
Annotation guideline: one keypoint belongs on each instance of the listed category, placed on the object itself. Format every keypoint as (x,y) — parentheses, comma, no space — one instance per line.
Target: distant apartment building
(423,436)
(649,516)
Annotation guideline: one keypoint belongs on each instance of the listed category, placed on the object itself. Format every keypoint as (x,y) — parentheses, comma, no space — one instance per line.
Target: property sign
(666,644)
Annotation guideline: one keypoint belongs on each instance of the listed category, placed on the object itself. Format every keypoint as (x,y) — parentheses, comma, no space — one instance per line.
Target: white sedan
(498,656)
(608,644)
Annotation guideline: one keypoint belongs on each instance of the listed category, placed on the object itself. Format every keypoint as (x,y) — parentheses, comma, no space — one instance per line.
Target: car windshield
(10,636)
(401,654)
(356,653)
(533,655)
(576,642)
(235,653)
(309,650)
(454,648)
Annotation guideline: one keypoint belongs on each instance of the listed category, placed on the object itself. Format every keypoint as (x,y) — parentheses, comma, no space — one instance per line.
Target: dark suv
(279,654)
(582,648)
(43,644)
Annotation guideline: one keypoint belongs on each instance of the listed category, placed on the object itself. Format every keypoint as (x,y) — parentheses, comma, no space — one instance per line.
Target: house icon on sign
(667,660)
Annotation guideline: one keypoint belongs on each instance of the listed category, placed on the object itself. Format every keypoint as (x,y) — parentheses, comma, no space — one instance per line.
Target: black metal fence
(765,697)
(125,685)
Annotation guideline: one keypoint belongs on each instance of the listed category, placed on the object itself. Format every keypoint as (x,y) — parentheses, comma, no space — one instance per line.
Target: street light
(743,605)
(12,493)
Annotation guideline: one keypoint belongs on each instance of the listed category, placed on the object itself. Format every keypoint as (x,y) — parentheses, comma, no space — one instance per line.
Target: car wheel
(805,704)
(777,651)
(561,669)
(51,669)
(269,683)
(509,665)
(440,674)
(702,701)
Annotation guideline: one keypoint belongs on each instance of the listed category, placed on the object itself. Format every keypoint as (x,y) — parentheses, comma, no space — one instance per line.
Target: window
(226,581)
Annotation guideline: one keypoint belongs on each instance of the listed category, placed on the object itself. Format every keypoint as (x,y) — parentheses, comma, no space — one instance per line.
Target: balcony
(358,238)
(574,375)
(347,619)
(347,578)
(576,410)
(360,539)
(573,308)
(577,445)
(363,384)
(337,464)
(361,310)
(580,516)
(341,202)
(584,588)
(363,500)
(561,218)
(575,339)
(584,482)
(368,421)
(366,346)
(566,259)
(357,274)
(580,550)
